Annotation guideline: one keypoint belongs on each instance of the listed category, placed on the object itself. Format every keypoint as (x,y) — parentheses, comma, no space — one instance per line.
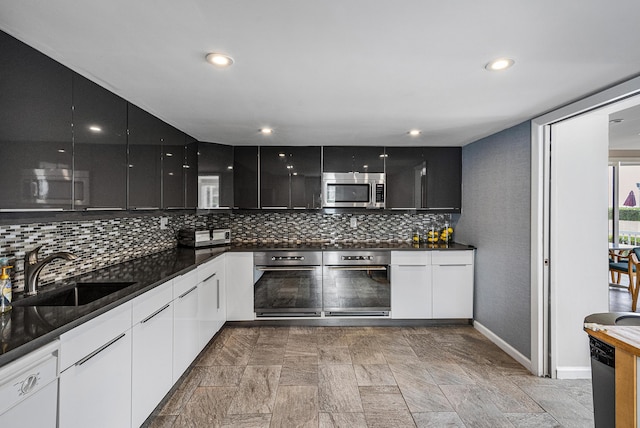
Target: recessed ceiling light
(266,131)
(219,59)
(94,128)
(499,64)
(415,132)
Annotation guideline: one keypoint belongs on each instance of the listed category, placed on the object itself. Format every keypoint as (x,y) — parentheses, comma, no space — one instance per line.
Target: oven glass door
(356,290)
(288,291)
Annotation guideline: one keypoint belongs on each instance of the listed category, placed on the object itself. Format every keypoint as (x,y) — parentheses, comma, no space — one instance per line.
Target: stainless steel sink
(79,294)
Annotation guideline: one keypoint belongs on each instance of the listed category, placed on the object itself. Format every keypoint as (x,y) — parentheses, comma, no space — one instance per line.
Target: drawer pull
(209,277)
(97,351)
(218,294)
(155,313)
(187,292)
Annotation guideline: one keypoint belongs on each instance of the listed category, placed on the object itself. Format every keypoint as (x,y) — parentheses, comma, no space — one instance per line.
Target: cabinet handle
(218,293)
(209,277)
(97,351)
(460,264)
(187,292)
(155,313)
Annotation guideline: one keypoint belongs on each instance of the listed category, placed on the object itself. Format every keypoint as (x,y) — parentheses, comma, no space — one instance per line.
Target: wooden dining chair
(620,263)
(634,260)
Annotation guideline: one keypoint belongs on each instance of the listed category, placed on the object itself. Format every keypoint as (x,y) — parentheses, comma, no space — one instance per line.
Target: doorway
(569,228)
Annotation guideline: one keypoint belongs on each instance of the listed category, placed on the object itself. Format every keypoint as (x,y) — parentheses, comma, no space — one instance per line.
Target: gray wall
(496,218)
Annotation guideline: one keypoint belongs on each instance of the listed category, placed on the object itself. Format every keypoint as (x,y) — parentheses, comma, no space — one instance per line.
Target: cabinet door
(290,177)
(173,161)
(191,173)
(444,178)
(239,286)
(96,390)
(411,291)
(186,337)
(35,129)
(100,144)
(145,159)
(245,176)
(453,291)
(208,307)
(424,178)
(152,362)
(353,159)
(215,176)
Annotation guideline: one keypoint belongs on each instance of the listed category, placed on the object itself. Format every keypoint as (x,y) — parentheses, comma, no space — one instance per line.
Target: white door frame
(540,159)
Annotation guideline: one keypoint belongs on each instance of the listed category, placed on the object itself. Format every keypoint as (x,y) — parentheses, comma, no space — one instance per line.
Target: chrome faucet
(33,267)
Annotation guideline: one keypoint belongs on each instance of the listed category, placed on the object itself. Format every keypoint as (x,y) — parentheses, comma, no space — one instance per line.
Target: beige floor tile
(296,406)
(389,420)
(438,420)
(382,399)
(366,355)
(161,422)
(257,390)
(338,389)
(446,373)
(334,355)
(373,374)
(266,355)
(262,420)
(533,420)
(342,420)
(474,407)
(299,374)
(222,376)
(206,407)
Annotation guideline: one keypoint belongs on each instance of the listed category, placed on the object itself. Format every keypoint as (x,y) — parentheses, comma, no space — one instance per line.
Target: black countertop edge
(26,328)
(348,246)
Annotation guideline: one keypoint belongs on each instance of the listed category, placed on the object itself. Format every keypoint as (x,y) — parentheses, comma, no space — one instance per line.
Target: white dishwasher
(29,389)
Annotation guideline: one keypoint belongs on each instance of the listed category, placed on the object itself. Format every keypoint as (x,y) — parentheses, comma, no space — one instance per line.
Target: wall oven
(356,283)
(288,283)
(353,190)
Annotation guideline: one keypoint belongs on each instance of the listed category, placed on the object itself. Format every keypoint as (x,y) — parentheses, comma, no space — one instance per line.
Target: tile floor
(367,377)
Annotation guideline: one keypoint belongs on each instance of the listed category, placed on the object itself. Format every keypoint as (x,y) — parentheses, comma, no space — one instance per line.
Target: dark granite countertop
(326,246)
(26,328)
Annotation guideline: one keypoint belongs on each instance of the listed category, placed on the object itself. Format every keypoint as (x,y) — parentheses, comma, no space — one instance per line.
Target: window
(209,191)
(624,202)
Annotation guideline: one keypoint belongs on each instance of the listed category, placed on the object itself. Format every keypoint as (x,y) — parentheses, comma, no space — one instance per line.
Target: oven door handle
(357,267)
(284,268)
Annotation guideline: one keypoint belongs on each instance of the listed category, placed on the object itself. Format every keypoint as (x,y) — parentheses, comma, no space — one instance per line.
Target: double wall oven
(316,283)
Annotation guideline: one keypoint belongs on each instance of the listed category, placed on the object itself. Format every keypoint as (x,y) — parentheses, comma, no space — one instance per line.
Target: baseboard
(510,350)
(573,372)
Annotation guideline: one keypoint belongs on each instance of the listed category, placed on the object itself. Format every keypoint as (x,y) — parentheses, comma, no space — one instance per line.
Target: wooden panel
(625,389)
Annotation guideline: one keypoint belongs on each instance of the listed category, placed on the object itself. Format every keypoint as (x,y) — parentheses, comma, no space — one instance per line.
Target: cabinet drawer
(212,267)
(151,301)
(184,283)
(88,337)
(452,257)
(411,258)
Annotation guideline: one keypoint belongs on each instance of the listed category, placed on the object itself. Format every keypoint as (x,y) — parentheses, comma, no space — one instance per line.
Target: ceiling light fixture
(219,59)
(266,131)
(414,132)
(499,64)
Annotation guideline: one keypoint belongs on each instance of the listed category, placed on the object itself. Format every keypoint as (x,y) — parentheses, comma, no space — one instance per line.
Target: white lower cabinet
(432,284)
(95,390)
(452,284)
(152,358)
(186,322)
(239,286)
(211,309)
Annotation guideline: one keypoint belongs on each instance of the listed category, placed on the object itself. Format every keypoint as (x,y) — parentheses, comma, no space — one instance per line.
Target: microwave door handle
(34,188)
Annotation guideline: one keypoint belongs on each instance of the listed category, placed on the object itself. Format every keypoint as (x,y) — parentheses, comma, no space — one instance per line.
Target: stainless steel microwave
(352,190)
(53,186)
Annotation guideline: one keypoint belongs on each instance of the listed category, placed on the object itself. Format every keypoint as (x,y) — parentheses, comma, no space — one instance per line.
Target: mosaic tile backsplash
(105,242)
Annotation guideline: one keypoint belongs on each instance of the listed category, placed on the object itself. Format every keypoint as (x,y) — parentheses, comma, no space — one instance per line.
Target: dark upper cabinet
(290,177)
(424,178)
(353,159)
(100,144)
(173,162)
(35,130)
(190,172)
(215,175)
(245,177)
(145,159)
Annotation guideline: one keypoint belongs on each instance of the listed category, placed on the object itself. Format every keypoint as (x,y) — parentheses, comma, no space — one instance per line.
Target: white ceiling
(324,72)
